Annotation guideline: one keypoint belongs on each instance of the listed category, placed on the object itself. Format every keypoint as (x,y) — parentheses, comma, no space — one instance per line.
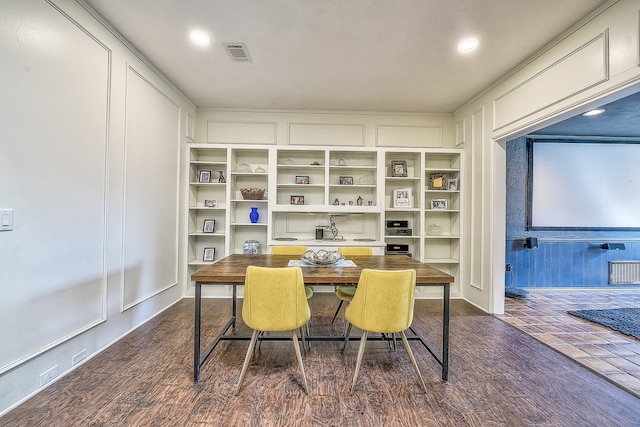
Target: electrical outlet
(47,376)
(79,357)
(508,267)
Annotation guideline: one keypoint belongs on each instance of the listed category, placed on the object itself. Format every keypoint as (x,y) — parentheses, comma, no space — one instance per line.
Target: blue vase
(254,216)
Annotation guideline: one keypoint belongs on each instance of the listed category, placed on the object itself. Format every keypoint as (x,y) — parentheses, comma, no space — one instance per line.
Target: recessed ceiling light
(594,112)
(467,45)
(200,38)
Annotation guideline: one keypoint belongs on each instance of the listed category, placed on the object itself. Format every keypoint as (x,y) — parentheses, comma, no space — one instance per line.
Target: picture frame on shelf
(438,181)
(402,198)
(302,179)
(399,168)
(439,204)
(210,203)
(209,226)
(296,200)
(346,180)
(209,254)
(204,176)
(452,184)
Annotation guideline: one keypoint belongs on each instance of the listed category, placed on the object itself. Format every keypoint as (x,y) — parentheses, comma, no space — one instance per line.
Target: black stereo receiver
(397,224)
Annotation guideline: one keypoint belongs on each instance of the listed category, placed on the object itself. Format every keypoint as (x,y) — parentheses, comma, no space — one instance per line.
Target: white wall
(592,63)
(89,162)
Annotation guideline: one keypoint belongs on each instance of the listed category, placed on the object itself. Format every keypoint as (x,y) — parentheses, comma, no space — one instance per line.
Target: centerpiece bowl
(321,257)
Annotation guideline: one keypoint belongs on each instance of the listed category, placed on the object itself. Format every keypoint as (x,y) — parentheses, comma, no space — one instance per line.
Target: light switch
(6,218)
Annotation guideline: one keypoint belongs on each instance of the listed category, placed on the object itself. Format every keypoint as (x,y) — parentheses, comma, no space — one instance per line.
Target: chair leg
(363,342)
(305,344)
(337,311)
(299,357)
(247,359)
(346,337)
(413,360)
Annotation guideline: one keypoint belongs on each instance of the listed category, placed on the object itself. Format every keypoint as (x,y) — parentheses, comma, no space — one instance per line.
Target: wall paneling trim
(559,78)
(151,201)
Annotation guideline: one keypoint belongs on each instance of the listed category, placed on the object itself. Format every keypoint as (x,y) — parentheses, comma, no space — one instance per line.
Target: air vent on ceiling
(238,52)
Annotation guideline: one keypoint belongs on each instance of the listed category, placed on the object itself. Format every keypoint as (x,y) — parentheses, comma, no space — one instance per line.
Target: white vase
(251,247)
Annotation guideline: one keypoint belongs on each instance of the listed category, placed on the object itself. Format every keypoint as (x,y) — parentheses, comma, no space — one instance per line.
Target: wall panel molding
(460,132)
(228,132)
(410,136)
(559,79)
(150,197)
(62,109)
(323,134)
(477,208)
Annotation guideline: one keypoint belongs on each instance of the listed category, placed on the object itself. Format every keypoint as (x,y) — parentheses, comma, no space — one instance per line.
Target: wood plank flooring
(499,376)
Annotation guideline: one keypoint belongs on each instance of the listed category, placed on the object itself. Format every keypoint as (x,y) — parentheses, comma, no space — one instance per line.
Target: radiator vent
(624,272)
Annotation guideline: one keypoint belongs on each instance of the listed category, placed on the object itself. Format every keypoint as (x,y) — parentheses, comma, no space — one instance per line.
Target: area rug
(624,320)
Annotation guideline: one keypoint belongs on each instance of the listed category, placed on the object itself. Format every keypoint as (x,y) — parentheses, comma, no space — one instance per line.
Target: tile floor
(612,355)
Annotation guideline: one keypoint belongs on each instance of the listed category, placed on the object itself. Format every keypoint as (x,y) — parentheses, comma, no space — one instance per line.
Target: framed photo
(438,181)
(296,200)
(346,180)
(209,254)
(204,176)
(399,168)
(439,204)
(452,184)
(302,179)
(209,226)
(210,203)
(402,198)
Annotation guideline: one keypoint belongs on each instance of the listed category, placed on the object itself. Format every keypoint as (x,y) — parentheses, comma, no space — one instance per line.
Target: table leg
(196,333)
(445,331)
(234,307)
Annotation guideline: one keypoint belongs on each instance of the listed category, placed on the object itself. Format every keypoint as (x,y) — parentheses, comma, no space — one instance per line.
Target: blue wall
(563,258)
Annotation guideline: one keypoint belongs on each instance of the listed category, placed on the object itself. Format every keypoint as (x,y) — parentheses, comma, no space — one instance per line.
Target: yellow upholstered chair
(383,303)
(293,251)
(274,300)
(345,293)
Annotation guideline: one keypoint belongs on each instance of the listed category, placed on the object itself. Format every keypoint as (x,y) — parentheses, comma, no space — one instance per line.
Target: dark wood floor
(499,377)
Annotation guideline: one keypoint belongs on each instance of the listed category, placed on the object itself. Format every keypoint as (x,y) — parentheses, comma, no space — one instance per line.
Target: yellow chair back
(288,250)
(355,250)
(383,301)
(275,299)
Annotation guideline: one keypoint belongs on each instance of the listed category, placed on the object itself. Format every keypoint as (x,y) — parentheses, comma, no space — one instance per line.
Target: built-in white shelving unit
(360,190)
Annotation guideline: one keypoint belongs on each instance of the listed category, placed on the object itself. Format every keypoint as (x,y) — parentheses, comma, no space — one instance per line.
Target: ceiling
(356,55)
(621,118)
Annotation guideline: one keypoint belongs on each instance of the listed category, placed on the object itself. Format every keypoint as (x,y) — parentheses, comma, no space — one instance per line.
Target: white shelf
(209,184)
(300,186)
(298,167)
(442,211)
(208,208)
(441,261)
(200,262)
(453,170)
(207,163)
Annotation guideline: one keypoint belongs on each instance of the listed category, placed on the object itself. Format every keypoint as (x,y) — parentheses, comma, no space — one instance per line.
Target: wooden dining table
(231,271)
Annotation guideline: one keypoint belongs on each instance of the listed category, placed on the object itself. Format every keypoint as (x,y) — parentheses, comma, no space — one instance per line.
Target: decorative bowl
(243,168)
(252,193)
(321,257)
